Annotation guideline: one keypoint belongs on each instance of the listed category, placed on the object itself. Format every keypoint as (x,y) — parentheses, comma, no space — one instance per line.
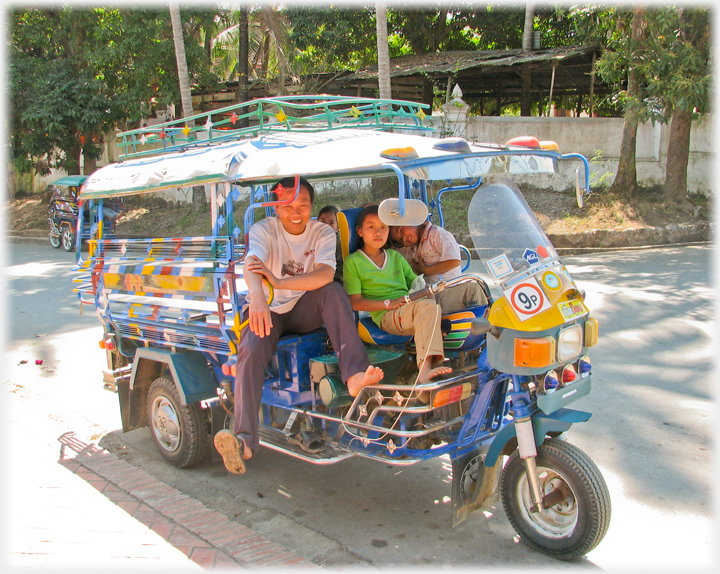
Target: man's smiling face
(295,216)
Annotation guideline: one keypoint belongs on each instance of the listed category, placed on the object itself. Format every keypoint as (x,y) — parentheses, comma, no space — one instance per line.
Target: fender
(189,369)
(559,421)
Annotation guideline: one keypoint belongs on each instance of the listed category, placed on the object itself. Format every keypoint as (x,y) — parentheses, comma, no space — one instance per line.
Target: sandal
(231,448)
(309,441)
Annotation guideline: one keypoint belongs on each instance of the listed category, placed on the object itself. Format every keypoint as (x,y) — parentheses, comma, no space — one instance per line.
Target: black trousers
(329,306)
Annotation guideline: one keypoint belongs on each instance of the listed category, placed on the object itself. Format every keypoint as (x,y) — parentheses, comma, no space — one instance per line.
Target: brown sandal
(231,448)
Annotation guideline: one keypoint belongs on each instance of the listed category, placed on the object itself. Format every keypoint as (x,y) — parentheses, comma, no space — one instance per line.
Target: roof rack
(267,115)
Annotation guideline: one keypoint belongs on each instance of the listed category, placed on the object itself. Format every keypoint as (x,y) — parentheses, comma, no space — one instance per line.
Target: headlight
(570,343)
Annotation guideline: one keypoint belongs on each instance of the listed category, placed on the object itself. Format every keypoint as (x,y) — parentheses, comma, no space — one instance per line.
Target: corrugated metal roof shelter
(485,74)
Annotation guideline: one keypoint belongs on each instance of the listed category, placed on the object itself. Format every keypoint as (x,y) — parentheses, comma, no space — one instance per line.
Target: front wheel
(55,241)
(179,431)
(580,515)
(67,236)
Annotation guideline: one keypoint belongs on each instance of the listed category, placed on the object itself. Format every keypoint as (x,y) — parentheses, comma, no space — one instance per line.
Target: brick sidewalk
(207,537)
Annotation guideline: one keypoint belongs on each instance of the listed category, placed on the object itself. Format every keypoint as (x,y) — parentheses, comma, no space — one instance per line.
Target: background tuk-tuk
(63,216)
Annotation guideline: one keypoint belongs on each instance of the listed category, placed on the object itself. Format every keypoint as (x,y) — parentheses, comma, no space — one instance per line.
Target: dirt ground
(557,213)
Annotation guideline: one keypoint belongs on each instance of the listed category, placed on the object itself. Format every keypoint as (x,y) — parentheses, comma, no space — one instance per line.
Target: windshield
(506,235)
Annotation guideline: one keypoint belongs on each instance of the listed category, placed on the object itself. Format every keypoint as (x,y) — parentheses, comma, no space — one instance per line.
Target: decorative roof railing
(267,115)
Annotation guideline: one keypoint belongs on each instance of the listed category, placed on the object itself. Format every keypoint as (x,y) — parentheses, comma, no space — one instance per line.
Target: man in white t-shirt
(296,254)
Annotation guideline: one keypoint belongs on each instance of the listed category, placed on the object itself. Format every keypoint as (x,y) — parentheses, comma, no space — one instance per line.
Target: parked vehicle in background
(63,217)
(172,311)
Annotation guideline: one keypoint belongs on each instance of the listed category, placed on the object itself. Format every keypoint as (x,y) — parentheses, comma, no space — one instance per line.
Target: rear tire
(180,432)
(67,237)
(575,525)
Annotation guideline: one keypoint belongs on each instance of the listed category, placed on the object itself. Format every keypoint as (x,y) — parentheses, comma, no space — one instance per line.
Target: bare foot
(433,373)
(359,380)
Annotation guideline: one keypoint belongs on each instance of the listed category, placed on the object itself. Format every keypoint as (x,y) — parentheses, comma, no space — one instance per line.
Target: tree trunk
(529,27)
(183,76)
(677,158)
(625,183)
(525,70)
(383,51)
(243,56)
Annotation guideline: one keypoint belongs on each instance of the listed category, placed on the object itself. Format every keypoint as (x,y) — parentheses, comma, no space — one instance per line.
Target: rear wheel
(67,237)
(180,432)
(580,514)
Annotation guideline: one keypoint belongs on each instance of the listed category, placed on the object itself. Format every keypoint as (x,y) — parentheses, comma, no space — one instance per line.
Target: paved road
(650,433)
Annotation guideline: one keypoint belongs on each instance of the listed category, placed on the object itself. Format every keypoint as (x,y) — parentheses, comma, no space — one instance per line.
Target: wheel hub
(166,424)
(561,518)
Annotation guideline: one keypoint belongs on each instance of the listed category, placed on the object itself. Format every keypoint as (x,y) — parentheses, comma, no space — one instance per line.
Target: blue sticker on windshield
(531,257)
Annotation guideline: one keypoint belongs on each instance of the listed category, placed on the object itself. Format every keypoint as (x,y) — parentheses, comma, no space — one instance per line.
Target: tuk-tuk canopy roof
(319,155)
(70,180)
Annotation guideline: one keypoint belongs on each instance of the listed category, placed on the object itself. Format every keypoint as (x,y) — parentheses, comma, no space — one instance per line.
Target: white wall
(588,135)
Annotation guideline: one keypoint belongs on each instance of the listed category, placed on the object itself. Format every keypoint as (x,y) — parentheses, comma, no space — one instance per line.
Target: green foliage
(78,72)
(333,37)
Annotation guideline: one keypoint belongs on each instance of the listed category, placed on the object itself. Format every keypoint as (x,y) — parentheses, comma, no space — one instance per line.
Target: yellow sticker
(572,309)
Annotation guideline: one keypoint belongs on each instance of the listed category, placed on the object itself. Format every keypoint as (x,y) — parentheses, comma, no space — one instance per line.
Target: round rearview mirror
(415,212)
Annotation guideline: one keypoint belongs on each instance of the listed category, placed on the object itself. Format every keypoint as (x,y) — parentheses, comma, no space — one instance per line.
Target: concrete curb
(599,240)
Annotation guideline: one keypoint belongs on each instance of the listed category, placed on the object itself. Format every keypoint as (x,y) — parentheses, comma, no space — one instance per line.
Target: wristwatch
(387,303)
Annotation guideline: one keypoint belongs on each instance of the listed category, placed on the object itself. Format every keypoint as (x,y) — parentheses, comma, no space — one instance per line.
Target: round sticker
(551,281)
(565,271)
(527,298)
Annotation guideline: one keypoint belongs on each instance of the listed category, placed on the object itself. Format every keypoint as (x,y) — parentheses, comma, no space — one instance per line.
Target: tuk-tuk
(172,310)
(66,229)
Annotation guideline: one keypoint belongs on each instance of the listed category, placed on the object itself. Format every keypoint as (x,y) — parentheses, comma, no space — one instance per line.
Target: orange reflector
(538,352)
(549,145)
(101,344)
(400,153)
(451,395)
(591,332)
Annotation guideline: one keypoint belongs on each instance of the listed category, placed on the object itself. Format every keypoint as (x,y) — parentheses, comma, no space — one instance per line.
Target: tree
(78,73)
(678,77)
(183,77)
(382,49)
(621,63)
(525,69)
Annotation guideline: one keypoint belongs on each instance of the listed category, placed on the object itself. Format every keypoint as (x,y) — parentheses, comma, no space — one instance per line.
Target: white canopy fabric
(315,155)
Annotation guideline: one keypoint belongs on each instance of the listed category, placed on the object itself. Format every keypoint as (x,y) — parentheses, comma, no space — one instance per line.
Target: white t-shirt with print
(286,254)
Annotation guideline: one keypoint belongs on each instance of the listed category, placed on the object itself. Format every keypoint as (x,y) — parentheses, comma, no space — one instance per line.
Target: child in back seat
(378,281)
(433,251)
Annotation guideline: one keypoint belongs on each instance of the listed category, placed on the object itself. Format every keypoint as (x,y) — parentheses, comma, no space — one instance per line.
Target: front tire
(575,525)
(179,432)
(55,241)
(67,238)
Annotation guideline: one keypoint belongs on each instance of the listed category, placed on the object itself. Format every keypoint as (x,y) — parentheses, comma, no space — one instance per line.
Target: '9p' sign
(527,298)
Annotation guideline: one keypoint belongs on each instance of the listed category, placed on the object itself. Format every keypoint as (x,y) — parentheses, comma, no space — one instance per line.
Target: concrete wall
(581,135)
(588,136)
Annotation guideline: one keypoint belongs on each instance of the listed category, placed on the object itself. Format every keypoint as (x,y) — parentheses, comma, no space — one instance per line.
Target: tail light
(451,395)
(229,368)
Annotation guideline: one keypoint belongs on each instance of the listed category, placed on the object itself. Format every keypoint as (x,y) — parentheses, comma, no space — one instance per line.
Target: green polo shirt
(363,277)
